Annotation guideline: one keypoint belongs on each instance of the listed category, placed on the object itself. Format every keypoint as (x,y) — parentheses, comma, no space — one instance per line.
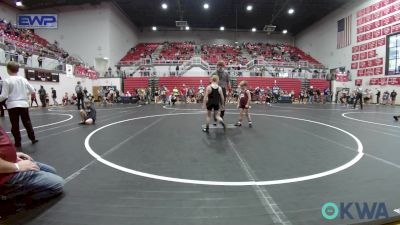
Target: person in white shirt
(16,90)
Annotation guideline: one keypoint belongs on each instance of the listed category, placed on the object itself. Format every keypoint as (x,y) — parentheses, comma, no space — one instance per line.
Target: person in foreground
(244,103)
(21,178)
(16,90)
(214,100)
(88,114)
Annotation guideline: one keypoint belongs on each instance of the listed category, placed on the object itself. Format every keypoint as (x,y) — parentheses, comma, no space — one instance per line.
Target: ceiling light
(154,28)
(206,6)
(249,8)
(291,11)
(164,6)
(18,3)
(284,31)
(187,28)
(105,58)
(253,29)
(222,28)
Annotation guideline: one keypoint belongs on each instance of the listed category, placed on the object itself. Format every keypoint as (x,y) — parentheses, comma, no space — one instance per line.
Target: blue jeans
(37,185)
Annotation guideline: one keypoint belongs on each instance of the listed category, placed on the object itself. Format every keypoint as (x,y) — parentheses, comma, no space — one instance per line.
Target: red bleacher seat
(132,83)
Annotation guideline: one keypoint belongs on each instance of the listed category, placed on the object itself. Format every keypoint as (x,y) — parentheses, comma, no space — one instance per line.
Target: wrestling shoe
(396,118)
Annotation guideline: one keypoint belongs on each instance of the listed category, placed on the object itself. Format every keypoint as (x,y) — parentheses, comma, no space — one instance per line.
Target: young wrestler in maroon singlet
(244,103)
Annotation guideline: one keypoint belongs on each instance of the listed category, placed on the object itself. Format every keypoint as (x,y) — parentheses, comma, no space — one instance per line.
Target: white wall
(122,35)
(92,31)
(8,13)
(320,41)
(213,37)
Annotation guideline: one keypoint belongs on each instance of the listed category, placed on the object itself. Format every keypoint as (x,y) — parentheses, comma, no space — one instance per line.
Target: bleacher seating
(140,51)
(132,83)
(213,53)
(31,43)
(228,53)
(82,71)
(177,51)
(279,53)
(319,84)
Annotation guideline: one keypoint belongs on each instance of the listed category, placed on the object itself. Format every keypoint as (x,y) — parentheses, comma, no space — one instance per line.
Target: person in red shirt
(33,98)
(23,178)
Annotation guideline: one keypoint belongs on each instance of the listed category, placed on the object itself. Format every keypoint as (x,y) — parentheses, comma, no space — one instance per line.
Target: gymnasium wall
(213,37)
(92,31)
(8,13)
(320,40)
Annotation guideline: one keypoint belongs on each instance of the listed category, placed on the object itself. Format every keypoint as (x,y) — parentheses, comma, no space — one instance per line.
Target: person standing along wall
(393,97)
(79,95)
(224,83)
(54,96)
(42,96)
(33,98)
(16,90)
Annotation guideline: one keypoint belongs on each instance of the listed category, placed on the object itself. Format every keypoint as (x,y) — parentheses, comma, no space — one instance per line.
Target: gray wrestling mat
(219,126)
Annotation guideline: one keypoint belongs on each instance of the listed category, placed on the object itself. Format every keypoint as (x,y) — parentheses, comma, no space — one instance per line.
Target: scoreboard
(40,75)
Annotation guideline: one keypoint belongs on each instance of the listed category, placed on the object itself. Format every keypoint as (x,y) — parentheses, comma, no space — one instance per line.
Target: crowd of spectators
(23,43)
(177,51)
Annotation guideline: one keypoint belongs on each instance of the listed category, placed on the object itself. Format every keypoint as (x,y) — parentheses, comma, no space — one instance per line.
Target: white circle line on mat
(226,183)
(51,124)
(345,115)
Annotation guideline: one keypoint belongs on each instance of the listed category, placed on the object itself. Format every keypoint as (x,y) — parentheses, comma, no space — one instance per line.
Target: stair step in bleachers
(132,83)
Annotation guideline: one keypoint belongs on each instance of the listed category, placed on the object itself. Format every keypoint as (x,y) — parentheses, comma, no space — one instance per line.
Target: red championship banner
(381,42)
(360,38)
(363,55)
(342,77)
(369,72)
(371,54)
(355,49)
(386,30)
(363,47)
(360,73)
(383,81)
(386,21)
(396,17)
(393,81)
(371,44)
(362,65)
(378,70)
(354,66)
(377,33)
(384,3)
(377,15)
(358,82)
(396,28)
(371,63)
(379,61)
(355,57)
(368,36)
(374,81)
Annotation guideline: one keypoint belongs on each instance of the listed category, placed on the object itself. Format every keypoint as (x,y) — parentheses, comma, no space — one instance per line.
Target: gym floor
(153,165)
